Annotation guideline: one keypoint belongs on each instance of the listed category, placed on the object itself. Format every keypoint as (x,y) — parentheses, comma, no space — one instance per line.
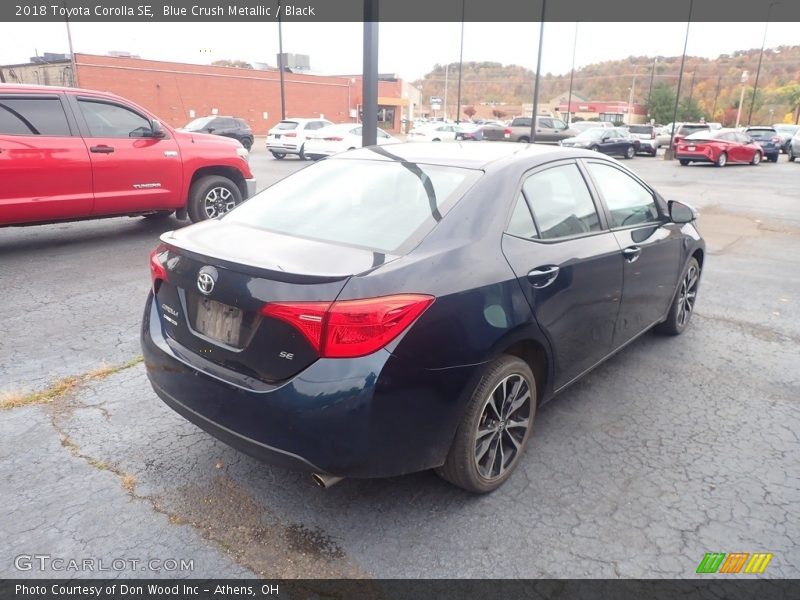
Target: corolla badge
(206,279)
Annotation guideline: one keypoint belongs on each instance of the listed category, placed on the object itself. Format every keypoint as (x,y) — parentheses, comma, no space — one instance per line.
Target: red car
(68,154)
(720,147)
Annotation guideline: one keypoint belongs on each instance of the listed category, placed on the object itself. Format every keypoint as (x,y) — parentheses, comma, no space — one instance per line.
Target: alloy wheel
(688,295)
(218,201)
(504,422)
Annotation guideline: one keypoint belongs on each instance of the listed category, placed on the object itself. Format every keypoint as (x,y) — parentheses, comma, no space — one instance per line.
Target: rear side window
(33,116)
(112,120)
(561,202)
(628,201)
(521,220)
(384,206)
(641,129)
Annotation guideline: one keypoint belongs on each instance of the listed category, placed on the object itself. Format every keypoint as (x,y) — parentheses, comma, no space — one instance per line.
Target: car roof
(53,89)
(302,119)
(470,155)
(335,126)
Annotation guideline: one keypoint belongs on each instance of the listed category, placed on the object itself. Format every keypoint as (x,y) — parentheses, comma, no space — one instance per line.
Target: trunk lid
(211,303)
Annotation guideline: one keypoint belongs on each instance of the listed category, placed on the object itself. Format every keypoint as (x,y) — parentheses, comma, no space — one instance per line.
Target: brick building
(179,92)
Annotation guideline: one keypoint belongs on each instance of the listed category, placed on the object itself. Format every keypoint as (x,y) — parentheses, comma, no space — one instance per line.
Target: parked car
(289,136)
(548,130)
(433,132)
(333,139)
(319,325)
(69,154)
(231,127)
(647,136)
(612,141)
(786,132)
(721,147)
(469,131)
(794,147)
(581,126)
(687,129)
(768,139)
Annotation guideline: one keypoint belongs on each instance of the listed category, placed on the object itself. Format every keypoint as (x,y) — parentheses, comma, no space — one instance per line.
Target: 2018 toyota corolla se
(395,309)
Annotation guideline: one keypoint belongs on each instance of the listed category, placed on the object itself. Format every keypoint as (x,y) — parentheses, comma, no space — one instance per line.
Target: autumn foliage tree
(470,111)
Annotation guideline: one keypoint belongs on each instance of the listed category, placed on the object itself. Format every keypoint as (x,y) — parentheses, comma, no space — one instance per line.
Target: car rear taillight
(333,139)
(351,328)
(290,134)
(776,140)
(653,134)
(506,132)
(158,269)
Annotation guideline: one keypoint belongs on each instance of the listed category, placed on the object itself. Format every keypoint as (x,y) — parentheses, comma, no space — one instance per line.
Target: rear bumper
(283,148)
(375,416)
(693,156)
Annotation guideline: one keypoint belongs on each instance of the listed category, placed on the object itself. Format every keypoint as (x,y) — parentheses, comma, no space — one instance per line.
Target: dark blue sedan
(395,309)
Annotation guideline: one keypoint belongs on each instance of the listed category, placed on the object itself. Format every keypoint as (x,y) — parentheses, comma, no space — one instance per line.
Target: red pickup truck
(69,154)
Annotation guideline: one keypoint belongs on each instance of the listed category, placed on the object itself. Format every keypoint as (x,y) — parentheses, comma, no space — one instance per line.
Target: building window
(386,117)
(611,117)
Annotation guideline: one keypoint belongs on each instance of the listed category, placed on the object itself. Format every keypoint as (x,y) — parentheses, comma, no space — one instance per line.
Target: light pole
(280,62)
(670,153)
(760,58)
(446,71)
(741,98)
(572,74)
(460,65)
(538,68)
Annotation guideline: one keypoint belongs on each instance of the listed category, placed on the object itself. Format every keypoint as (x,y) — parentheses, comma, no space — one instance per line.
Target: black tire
(595,148)
(630,152)
(654,152)
(212,196)
(684,162)
(436,140)
(302,154)
(463,467)
(722,159)
(247,143)
(685,296)
(524,140)
(791,155)
(774,158)
(278,155)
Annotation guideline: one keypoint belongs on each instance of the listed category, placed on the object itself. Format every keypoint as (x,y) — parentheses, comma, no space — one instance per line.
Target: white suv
(289,136)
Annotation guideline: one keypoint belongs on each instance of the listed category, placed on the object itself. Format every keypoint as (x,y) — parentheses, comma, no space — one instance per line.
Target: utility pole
(630,96)
(741,98)
(650,90)
(691,86)
(760,58)
(538,75)
(446,72)
(73,63)
(719,87)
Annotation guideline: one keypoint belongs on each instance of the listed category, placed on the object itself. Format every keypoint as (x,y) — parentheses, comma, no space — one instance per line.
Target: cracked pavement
(673,448)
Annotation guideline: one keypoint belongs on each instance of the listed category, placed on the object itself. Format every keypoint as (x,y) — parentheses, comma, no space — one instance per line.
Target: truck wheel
(212,196)
(524,140)
(279,155)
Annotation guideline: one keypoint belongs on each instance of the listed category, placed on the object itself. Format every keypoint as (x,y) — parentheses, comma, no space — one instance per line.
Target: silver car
(794,147)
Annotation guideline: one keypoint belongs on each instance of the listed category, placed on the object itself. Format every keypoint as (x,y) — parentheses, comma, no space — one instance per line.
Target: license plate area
(692,148)
(219,322)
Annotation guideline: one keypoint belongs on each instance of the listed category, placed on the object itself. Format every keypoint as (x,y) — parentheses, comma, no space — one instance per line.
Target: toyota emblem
(206,280)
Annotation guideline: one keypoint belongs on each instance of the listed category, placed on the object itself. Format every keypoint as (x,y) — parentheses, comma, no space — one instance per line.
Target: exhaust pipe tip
(325,481)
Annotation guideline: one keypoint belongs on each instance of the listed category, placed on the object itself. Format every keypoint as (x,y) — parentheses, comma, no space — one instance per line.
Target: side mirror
(210,130)
(605,138)
(157,131)
(681,213)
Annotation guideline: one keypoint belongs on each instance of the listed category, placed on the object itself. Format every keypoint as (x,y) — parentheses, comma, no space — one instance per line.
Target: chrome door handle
(632,253)
(541,277)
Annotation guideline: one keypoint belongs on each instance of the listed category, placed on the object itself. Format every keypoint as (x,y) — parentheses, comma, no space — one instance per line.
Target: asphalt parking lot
(674,448)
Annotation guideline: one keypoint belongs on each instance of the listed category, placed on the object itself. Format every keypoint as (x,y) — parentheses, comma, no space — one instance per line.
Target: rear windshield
(286,125)
(687,129)
(521,123)
(199,124)
(760,134)
(383,206)
(641,129)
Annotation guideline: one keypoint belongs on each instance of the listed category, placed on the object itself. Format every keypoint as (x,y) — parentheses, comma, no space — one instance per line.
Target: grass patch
(62,386)
(128,483)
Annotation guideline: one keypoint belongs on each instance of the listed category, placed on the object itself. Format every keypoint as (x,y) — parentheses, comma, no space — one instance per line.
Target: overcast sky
(407,49)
